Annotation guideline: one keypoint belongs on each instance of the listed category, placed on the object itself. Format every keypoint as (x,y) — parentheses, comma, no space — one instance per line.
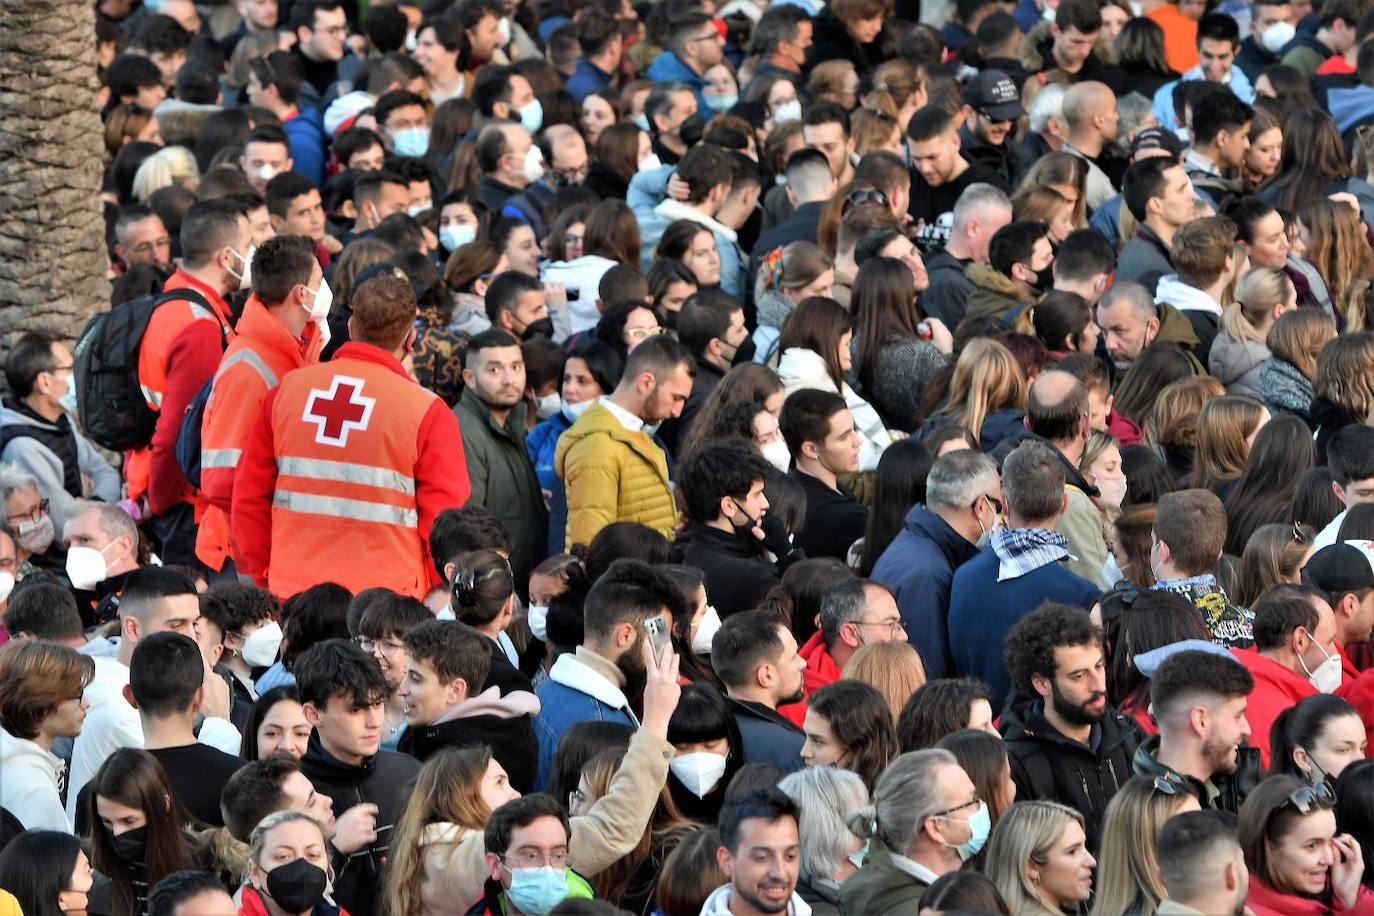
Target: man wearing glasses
(694,46)
(38,438)
(141,238)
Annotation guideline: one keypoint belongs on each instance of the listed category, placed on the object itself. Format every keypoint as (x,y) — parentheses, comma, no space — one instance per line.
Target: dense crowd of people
(587,457)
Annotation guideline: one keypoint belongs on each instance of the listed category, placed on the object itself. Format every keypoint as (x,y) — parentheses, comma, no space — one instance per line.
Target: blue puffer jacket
(305,133)
(667,68)
(541,443)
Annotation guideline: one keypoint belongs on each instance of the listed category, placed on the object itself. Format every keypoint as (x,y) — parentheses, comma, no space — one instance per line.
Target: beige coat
(455,857)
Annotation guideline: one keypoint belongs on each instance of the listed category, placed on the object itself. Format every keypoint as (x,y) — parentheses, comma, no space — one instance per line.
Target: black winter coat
(1047,766)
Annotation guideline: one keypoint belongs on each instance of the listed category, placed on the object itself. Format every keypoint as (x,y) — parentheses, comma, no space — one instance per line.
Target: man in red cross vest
(349,464)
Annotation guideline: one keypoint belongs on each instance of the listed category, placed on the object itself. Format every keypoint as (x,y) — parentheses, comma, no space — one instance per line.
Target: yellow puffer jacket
(612,475)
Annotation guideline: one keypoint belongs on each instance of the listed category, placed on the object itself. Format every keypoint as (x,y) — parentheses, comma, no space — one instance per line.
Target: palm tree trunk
(52,228)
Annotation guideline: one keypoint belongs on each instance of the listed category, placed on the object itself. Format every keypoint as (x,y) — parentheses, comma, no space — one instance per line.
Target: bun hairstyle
(482,584)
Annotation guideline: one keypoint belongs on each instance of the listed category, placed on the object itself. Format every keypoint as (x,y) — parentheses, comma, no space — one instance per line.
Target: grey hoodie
(33,457)
(1236,364)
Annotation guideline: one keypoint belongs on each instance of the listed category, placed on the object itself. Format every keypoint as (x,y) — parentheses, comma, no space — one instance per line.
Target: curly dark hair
(1030,644)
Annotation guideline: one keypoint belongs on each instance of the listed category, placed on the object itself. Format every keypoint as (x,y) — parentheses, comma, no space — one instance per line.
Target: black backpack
(110,400)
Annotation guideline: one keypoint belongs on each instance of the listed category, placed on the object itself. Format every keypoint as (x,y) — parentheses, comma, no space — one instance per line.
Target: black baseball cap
(1345,566)
(994,94)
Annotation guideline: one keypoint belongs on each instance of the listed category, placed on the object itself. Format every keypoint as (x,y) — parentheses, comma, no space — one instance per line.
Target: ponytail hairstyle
(1300,727)
(1257,293)
(1058,319)
(791,268)
(482,587)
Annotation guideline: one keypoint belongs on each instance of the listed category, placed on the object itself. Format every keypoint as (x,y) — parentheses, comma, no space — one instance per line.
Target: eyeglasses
(893,627)
(389,646)
(1169,785)
(1306,798)
(992,500)
(149,247)
(643,333)
(56,369)
(714,36)
(533,858)
(335,30)
(35,514)
(948,811)
(863,196)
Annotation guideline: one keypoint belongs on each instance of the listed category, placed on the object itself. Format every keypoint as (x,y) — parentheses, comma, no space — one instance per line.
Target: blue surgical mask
(642,122)
(456,235)
(532,116)
(573,411)
(857,858)
(413,141)
(979,825)
(720,103)
(537,890)
(68,400)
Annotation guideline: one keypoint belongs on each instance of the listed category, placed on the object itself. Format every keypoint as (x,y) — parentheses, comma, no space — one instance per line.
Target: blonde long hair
(1340,250)
(1174,418)
(448,790)
(1127,876)
(1299,336)
(1026,832)
(986,378)
(1259,290)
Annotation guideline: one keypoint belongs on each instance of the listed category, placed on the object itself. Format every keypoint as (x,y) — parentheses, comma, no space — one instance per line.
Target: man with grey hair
(978,213)
(1048,129)
(102,549)
(1129,320)
(1021,568)
(927,821)
(963,501)
(854,613)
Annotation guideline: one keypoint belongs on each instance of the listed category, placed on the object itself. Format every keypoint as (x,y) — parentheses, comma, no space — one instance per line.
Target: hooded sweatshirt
(820,671)
(1201,310)
(57,456)
(32,785)
(501,722)
(718,904)
(994,293)
(1277,687)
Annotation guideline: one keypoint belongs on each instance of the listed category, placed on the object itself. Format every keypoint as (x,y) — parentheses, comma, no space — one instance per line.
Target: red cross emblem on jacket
(338,411)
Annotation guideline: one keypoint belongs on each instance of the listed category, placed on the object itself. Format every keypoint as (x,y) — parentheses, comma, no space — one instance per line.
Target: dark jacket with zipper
(1048,766)
(1222,793)
(383,780)
(737,572)
(768,736)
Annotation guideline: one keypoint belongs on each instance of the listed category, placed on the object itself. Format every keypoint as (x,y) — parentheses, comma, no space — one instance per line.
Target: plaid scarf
(1024,550)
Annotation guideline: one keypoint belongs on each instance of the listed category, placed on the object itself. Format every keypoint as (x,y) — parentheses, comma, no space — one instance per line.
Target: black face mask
(298,886)
(744,352)
(541,328)
(690,130)
(131,845)
(670,319)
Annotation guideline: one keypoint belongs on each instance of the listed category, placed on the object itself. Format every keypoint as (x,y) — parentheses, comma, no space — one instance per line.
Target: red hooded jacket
(1276,689)
(820,671)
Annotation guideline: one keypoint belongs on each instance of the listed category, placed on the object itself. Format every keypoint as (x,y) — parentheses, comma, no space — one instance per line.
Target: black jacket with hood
(1224,793)
(383,780)
(1047,766)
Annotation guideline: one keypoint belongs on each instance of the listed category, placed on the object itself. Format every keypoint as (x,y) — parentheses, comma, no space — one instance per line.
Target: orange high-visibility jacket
(259,357)
(346,469)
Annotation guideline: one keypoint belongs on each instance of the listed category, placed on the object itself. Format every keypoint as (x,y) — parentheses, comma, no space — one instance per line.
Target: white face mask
(267,173)
(548,405)
(86,566)
(1326,677)
(777,454)
(260,648)
(700,772)
(246,278)
(411,42)
(534,165)
(1277,35)
(1113,490)
(504,28)
(319,306)
(539,621)
(573,411)
(649,162)
(787,111)
(701,639)
(6,585)
(456,235)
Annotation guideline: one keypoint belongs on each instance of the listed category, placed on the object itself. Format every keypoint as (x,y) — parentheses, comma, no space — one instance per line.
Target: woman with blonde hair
(288,868)
(1127,876)
(787,276)
(1344,387)
(1038,858)
(1043,204)
(171,165)
(1294,342)
(1274,554)
(899,89)
(1238,353)
(987,393)
(1067,174)
(1226,427)
(1335,241)
(1171,428)
(893,668)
